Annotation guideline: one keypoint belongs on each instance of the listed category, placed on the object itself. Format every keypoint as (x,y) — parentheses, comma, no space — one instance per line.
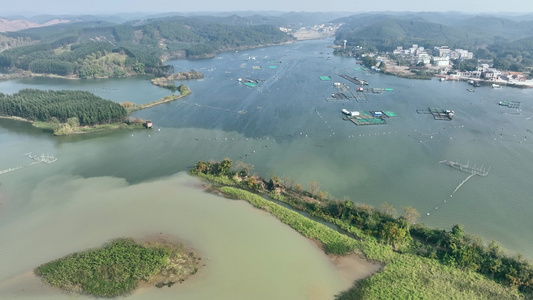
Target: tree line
(59,106)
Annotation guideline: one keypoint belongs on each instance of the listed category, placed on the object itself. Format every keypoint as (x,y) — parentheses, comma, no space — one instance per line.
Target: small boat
(496,86)
(470,90)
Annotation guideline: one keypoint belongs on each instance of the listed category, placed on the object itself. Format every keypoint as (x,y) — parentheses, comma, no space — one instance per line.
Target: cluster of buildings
(442,58)
(485,72)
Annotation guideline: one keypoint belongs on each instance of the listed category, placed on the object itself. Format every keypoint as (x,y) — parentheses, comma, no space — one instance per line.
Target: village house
(441,61)
(514,76)
(491,74)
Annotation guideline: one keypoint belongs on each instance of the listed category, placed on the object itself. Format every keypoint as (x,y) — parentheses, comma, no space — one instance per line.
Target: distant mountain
(503,28)
(16,25)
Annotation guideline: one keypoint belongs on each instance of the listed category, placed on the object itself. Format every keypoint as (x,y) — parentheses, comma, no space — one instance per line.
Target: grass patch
(115,269)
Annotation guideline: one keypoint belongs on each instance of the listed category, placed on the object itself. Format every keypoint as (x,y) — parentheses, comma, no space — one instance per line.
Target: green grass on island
(419,262)
(117,268)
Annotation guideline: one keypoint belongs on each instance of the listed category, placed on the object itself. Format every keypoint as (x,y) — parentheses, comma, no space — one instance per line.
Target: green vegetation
(387,34)
(61,106)
(67,112)
(420,262)
(507,42)
(116,269)
(100,50)
(168,81)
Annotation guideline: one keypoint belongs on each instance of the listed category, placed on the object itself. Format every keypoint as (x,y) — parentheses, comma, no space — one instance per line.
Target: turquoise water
(285,127)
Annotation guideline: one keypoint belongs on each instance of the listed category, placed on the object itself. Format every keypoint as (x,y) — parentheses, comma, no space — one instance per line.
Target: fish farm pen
(438,113)
(354,80)
(373,90)
(510,104)
(369,118)
(344,94)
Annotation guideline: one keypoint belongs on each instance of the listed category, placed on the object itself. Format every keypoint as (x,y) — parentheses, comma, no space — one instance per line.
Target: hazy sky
(10,7)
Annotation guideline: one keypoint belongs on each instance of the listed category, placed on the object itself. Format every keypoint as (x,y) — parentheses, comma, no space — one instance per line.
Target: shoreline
(399,244)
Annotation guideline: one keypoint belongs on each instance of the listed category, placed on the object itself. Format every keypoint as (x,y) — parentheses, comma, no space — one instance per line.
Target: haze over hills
(135,38)
(16,25)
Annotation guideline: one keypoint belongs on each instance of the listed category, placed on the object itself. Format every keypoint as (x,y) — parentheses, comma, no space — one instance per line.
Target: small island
(120,266)
(167,82)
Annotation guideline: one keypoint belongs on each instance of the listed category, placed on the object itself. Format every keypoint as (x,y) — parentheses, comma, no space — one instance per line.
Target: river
(127,183)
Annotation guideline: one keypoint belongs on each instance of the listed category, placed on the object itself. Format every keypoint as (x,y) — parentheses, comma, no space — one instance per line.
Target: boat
(345,111)
(496,86)
(442,79)
(470,90)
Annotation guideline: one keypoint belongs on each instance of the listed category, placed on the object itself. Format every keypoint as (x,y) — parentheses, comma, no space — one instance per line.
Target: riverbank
(402,247)
(117,268)
(517,84)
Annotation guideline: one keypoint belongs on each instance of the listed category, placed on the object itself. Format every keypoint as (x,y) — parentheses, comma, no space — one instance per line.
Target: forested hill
(389,33)
(103,49)
(59,106)
(505,40)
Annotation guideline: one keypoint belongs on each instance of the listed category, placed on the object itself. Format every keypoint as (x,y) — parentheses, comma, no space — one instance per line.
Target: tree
(458,231)
(73,122)
(138,67)
(410,214)
(388,209)
(314,187)
(369,61)
(394,234)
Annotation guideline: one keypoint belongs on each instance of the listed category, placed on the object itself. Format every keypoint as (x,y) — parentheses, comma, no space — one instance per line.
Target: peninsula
(420,262)
(68,112)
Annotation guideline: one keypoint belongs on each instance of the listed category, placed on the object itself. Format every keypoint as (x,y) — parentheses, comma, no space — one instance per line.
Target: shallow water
(247,253)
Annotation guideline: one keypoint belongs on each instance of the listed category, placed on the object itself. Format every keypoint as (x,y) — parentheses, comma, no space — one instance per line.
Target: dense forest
(508,42)
(103,49)
(60,106)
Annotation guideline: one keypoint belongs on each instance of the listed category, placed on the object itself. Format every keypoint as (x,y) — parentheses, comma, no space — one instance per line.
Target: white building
(424,58)
(441,61)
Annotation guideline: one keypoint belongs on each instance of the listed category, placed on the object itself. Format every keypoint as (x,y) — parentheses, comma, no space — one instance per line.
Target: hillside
(137,47)
(389,33)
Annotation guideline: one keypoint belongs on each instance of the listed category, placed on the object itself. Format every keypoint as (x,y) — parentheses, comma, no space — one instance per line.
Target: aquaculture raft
(438,113)
(365,118)
(389,113)
(510,104)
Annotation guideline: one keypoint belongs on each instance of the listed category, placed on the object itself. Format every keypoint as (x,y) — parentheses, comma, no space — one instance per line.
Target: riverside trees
(59,106)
